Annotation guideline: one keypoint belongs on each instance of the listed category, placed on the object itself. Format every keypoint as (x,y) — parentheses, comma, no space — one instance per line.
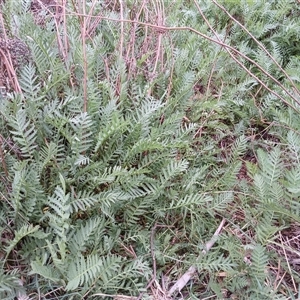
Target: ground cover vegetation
(149,149)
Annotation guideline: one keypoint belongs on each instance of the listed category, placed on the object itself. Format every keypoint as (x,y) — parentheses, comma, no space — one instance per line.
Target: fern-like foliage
(24,133)
(87,270)
(128,145)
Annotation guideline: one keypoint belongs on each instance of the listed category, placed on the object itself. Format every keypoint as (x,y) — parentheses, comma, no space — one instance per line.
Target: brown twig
(186,277)
(219,42)
(115,297)
(82,17)
(83,36)
(252,61)
(66,41)
(287,261)
(170,84)
(152,250)
(122,31)
(8,61)
(228,47)
(160,22)
(259,43)
(56,17)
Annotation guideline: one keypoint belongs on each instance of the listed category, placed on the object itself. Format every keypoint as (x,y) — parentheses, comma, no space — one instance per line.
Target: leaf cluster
(118,138)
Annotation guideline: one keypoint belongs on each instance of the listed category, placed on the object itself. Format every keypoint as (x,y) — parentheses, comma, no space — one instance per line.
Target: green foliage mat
(124,145)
